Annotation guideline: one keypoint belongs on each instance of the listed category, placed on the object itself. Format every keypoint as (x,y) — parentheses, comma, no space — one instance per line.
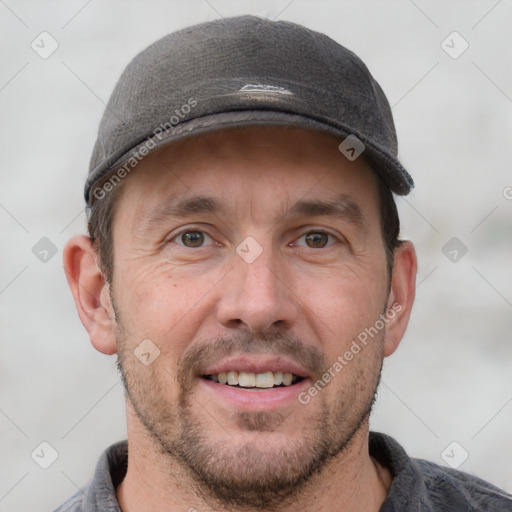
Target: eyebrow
(343,207)
(179,209)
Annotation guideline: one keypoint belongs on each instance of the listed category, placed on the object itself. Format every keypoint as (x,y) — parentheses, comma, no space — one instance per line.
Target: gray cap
(237,72)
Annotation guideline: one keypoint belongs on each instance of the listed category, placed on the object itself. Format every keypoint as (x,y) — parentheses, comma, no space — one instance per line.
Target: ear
(401,296)
(91,293)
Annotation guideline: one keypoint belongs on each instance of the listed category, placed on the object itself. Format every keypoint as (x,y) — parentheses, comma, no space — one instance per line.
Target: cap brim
(126,159)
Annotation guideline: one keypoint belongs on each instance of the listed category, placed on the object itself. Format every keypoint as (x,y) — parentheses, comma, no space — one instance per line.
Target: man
(244,264)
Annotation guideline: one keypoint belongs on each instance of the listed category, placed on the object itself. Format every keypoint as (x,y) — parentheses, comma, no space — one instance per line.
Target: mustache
(198,357)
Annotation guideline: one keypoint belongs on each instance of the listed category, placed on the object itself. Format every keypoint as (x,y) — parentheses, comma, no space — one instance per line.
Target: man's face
(257,252)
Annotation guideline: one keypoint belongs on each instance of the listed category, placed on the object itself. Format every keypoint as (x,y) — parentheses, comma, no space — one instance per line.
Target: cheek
(342,305)
(166,307)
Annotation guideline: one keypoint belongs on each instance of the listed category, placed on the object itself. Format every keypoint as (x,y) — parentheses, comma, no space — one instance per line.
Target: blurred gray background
(446,394)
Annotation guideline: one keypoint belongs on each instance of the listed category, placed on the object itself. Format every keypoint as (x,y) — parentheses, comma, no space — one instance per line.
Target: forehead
(269,166)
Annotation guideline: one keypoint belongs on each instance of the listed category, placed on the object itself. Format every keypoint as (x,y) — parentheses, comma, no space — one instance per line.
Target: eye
(316,239)
(193,238)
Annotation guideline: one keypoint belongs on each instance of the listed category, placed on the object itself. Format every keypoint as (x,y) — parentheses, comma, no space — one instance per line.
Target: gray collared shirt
(418,485)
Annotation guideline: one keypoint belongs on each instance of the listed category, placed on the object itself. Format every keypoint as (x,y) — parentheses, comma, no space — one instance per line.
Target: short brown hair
(100,225)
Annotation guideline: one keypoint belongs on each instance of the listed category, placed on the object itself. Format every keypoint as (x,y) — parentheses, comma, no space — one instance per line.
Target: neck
(157,482)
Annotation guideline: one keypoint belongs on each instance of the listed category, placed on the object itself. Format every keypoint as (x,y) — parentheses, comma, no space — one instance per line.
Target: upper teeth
(254,380)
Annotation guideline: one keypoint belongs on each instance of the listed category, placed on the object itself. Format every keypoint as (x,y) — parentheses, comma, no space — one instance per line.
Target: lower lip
(250,399)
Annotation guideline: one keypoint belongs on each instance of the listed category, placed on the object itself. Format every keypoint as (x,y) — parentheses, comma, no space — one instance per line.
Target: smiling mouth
(248,380)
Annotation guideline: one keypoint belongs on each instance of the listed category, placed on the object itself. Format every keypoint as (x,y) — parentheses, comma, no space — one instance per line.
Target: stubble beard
(246,476)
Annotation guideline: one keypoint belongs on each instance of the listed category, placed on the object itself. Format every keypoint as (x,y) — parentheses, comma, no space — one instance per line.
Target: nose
(257,296)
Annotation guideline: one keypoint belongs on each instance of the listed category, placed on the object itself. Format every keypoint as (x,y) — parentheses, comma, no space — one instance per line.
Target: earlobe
(90,292)
(401,297)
